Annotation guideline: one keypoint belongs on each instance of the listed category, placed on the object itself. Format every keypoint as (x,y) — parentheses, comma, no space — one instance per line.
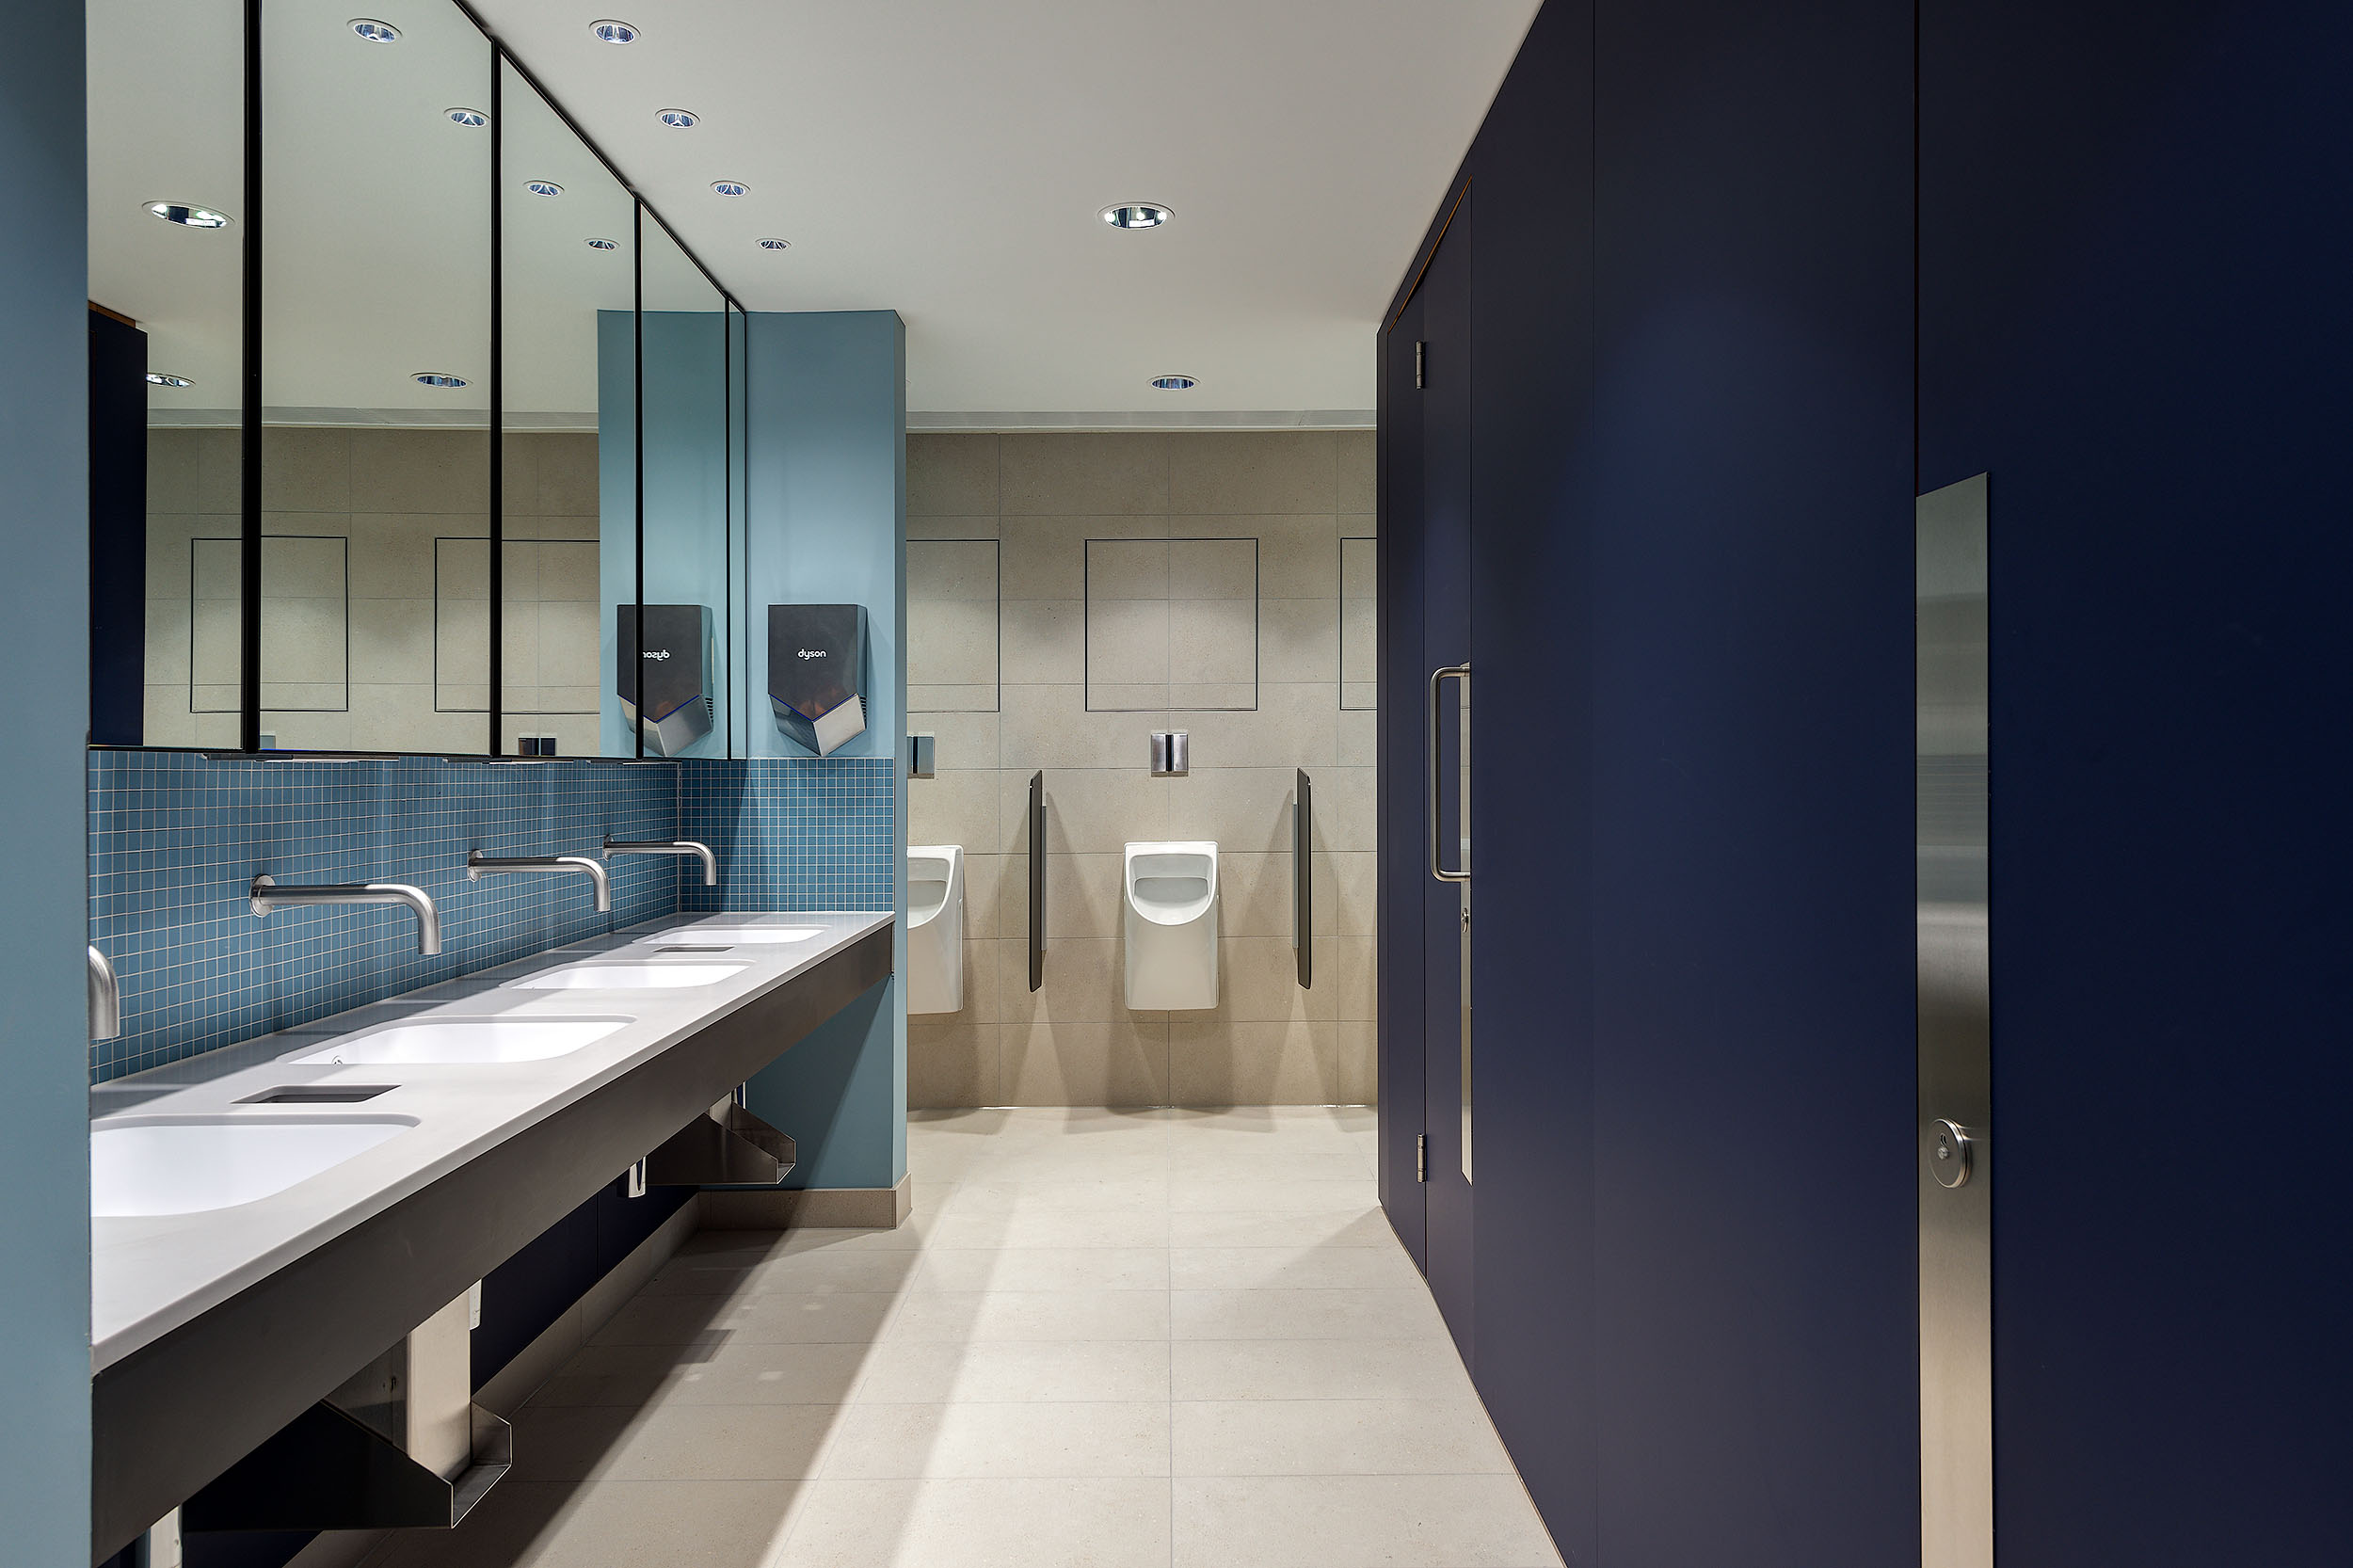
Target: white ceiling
(943,158)
(947,159)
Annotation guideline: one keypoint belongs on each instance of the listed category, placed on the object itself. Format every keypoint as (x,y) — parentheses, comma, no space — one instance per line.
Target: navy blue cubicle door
(2136,317)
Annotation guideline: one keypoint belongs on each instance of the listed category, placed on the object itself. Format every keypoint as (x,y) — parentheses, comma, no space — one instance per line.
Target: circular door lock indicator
(1949,1149)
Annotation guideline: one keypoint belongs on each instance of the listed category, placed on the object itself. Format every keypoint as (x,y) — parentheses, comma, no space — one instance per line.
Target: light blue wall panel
(825,459)
(44,1159)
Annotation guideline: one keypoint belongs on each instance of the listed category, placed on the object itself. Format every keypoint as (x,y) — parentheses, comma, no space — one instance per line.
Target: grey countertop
(149,1276)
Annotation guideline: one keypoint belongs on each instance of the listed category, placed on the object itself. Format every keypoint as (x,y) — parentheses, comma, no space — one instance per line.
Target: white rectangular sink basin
(626,977)
(467,1041)
(745,935)
(165,1166)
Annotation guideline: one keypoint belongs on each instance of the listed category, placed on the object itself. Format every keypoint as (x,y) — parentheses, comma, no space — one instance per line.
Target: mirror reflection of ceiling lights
(1175,383)
(610,31)
(1137,214)
(374,31)
(730,187)
(677,119)
(772,243)
(188,215)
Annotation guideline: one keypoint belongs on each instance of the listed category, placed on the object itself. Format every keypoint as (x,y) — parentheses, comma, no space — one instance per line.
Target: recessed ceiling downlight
(436,378)
(543,187)
(375,31)
(188,215)
(1175,383)
(677,119)
(610,31)
(165,379)
(470,118)
(772,243)
(730,187)
(1137,214)
(603,245)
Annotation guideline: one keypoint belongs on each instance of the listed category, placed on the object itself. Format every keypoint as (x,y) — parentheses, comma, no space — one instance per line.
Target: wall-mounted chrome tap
(668,847)
(105,999)
(477,863)
(267,895)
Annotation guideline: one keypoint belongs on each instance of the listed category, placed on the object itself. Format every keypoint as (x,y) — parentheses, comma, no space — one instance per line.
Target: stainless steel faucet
(105,999)
(667,846)
(267,895)
(477,863)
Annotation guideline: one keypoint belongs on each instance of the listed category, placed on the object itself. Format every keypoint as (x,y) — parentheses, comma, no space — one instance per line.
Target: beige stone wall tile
(1086,1064)
(1253,471)
(1075,474)
(952,476)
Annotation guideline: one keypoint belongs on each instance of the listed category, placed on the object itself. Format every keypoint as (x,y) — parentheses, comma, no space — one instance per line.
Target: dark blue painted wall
(2136,318)
(1692,481)
(1751,592)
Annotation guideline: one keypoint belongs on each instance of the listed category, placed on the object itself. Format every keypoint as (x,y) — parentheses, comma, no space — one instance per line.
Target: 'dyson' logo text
(657,653)
(812,653)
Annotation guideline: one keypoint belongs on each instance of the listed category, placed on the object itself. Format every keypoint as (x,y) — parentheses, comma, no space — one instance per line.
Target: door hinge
(1421,365)
(1421,1158)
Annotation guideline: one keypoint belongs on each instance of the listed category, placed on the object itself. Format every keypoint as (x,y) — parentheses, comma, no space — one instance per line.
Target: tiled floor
(1179,1338)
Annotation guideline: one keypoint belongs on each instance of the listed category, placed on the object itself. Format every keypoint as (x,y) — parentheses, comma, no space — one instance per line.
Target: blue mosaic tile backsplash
(792,833)
(175,840)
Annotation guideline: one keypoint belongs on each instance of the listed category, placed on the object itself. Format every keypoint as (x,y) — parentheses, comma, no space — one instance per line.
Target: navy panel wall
(1531,597)
(1751,626)
(2135,318)
(1692,500)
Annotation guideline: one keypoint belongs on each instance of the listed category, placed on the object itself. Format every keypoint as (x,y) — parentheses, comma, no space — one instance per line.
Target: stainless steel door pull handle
(1437,865)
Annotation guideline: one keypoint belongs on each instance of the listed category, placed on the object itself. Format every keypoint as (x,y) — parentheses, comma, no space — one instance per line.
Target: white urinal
(935,928)
(1172,927)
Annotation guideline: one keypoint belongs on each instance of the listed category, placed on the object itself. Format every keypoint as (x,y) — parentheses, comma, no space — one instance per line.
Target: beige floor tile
(1350,1521)
(916,1372)
(898,1441)
(1317,1370)
(1293,1268)
(673,1442)
(1244,1193)
(801,1274)
(1278,1314)
(611,1524)
(1045,1269)
(978,1317)
(1355,1226)
(637,1375)
(1056,1227)
(981,1524)
(1336,1437)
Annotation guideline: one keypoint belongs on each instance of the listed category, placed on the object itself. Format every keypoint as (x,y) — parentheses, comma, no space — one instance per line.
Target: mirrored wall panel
(670,696)
(569,251)
(166,201)
(375,380)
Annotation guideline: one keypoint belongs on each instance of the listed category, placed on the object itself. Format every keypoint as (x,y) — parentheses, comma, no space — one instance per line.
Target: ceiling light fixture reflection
(603,245)
(165,379)
(375,31)
(1175,383)
(471,119)
(436,378)
(610,31)
(677,119)
(1137,214)
(730,187)
(773,244)
(544,188)
(188,215)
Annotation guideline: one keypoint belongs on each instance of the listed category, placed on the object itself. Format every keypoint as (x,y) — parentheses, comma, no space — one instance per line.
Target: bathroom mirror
(375,381)
(667,630)
(165,131)
(569,261)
